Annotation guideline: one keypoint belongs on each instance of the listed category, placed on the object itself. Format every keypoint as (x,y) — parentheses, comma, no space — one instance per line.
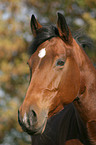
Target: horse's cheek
(70,85)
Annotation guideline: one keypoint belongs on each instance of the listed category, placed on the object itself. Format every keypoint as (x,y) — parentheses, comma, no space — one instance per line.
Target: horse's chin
(36,131)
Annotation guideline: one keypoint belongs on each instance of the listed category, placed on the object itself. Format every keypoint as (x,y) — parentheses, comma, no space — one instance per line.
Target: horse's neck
(86,103)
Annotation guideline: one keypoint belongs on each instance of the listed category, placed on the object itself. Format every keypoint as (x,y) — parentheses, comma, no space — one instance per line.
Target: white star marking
(42,53)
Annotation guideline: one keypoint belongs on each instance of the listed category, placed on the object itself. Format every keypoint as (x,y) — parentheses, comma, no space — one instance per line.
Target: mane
(48,32)
(82,39)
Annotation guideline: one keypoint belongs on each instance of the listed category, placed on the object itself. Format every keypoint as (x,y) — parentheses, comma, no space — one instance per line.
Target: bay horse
(61,73)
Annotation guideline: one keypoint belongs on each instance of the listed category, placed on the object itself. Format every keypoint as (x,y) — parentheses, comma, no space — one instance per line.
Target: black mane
(48,32)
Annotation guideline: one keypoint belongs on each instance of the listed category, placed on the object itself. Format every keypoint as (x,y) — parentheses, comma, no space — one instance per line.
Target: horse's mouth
(33,130)
(36,131)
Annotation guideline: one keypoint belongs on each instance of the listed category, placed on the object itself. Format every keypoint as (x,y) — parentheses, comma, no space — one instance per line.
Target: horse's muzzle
(29,123)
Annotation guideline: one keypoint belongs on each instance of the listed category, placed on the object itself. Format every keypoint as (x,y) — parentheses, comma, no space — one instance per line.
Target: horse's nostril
(32,118)
(34,114)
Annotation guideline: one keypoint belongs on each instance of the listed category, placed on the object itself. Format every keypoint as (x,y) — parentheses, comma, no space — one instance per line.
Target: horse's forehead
(54,46)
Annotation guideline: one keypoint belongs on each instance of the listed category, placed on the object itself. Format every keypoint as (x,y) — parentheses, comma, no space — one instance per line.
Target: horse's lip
(37,131)
(42,128)
(29,129)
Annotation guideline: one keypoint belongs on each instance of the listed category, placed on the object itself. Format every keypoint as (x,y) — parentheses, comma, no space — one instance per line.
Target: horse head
(55,76)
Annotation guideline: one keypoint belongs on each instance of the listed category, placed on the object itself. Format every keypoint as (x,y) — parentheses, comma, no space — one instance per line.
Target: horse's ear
(34,25)
(63,29)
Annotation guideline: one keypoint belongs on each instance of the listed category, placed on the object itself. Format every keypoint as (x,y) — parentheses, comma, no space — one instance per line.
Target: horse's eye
(60,63)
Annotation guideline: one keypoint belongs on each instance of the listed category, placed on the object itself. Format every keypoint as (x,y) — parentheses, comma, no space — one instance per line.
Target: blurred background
(15,37)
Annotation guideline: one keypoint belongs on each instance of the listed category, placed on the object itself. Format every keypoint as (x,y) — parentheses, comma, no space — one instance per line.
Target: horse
(59,70)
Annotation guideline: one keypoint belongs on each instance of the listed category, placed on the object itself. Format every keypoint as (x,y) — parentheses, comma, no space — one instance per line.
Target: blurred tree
(13,68)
